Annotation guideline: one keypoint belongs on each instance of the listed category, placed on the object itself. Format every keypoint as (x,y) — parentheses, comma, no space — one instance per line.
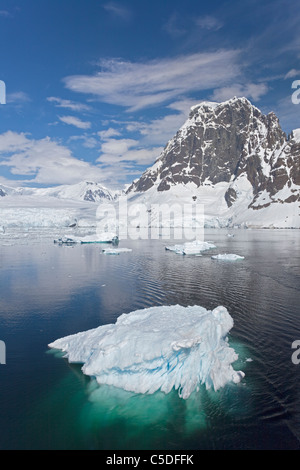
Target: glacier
(158,349)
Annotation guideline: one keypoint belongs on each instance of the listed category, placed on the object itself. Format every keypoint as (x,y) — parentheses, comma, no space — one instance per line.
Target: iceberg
(228,257)
(102,238)
(105,237)
(191,248)
(158,349)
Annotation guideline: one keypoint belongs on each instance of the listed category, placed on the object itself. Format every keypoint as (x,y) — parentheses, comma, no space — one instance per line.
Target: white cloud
(115,151)
(106,134)
(292,73)
(5,14)
(118,10)
(140,85)
(47,162)
(209,22)
(143,156)
(249,90)
(159,131)
(88,141)
(117,146)
(44,161)
(74,106)
(174,26)
(74,121)
(18,97)
(13,142)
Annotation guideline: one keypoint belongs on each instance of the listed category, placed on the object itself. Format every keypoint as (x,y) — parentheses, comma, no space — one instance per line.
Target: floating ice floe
(228,257)
(116,251)
(158,348)
(102,238)
(191,248)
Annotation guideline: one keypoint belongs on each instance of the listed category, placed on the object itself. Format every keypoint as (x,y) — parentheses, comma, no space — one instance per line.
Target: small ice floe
(191,248)
(115,251)
(228,257)
(230,235)
(105,237)
(158,348)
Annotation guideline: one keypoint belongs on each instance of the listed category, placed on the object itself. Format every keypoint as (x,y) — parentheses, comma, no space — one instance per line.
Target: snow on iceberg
(228,257)
(158,348)
(191,248)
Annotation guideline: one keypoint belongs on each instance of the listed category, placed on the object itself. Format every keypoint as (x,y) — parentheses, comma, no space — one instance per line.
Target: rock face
(2,193)
(222,143)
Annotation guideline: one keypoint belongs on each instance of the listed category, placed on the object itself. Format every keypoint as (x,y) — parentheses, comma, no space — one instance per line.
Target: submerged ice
(158,348)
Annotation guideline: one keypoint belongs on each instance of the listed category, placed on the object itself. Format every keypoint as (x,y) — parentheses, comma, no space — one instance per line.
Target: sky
(95,89)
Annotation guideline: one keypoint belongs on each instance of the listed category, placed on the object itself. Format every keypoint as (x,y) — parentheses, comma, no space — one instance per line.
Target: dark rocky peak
(216,144)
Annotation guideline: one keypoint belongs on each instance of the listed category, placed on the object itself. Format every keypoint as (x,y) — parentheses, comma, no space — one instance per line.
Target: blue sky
(96,88)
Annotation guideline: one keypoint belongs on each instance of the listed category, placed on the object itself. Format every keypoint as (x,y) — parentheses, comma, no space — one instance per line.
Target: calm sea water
(47,292)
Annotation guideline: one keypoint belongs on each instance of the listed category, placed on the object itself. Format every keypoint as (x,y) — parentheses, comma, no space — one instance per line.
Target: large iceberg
(158,348)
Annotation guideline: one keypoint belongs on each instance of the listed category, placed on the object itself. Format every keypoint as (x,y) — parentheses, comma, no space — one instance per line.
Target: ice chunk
(191,248)
(158,348)
(228,257)
(116,251)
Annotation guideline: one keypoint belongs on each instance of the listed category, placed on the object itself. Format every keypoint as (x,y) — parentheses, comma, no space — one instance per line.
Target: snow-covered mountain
(84,191)
(61,206)
(234,160)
